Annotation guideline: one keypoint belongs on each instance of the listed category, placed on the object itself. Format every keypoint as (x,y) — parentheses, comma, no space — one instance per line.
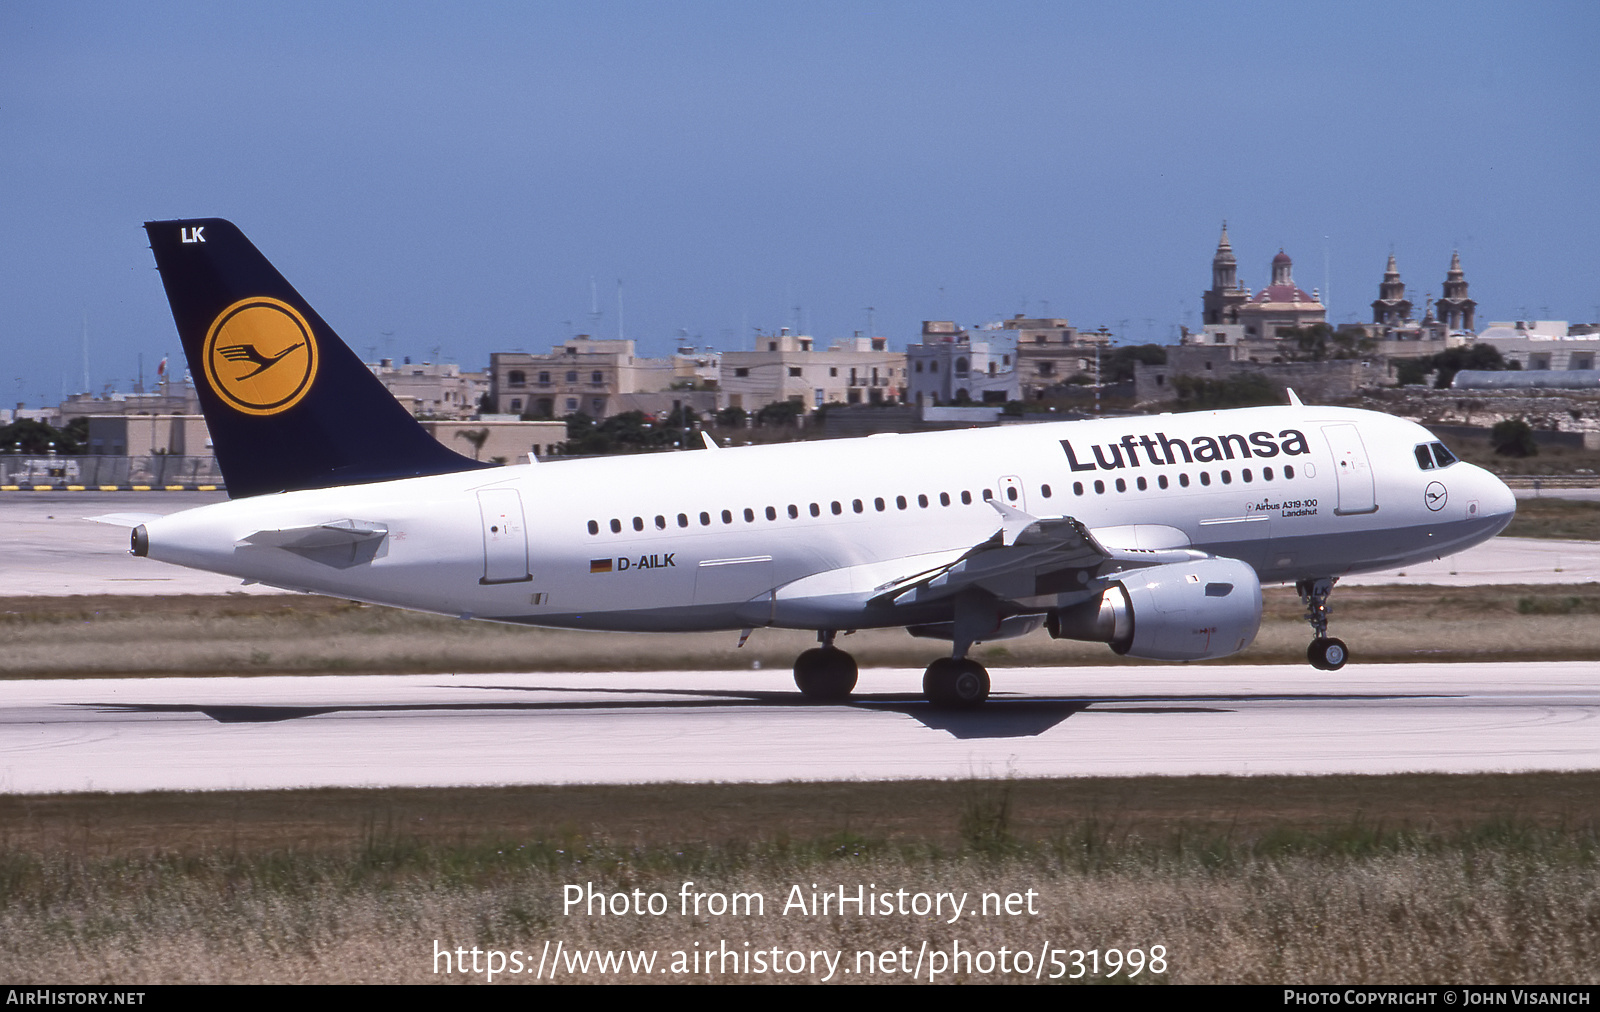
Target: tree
(1414,371)
(1244,390)
(1321,343)
(780,413)
(1513,438)
(1470,356)
(28,436)
(477,437)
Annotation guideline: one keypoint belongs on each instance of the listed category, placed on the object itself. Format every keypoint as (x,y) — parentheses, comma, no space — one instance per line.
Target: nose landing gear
(825,673)
(1324,653)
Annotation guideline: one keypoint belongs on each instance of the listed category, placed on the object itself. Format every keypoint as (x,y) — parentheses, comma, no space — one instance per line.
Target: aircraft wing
(1027,557)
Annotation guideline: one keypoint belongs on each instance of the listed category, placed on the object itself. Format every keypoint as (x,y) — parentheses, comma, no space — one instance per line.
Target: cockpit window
(1431,455)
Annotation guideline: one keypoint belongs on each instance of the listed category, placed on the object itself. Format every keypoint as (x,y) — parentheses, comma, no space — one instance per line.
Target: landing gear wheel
(825,673)
(1327,654)
(952,683)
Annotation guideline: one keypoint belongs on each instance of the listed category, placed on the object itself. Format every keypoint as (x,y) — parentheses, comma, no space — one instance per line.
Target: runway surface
(46,547)
(608,727)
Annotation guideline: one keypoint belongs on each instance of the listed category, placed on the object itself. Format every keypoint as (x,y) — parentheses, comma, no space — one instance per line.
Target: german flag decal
(599,565)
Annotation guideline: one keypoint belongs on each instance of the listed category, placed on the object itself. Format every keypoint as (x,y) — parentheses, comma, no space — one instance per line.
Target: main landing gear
(827,674)
(956,683)
(1324,653)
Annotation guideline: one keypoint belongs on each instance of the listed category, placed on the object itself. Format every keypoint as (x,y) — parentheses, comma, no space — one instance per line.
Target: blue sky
(461,177)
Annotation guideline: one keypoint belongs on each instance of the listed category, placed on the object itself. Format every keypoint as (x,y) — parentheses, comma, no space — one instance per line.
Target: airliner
(1152,534)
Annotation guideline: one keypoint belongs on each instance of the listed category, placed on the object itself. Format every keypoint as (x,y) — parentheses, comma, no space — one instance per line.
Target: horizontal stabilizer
(339,543)
(125,519)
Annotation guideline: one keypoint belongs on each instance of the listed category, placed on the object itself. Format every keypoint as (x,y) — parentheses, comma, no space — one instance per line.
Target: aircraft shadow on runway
(1003,716)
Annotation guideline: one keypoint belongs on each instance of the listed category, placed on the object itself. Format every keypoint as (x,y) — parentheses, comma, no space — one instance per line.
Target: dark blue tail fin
(289,405)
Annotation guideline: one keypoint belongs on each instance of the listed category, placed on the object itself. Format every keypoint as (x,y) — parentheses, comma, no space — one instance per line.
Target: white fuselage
(806,534)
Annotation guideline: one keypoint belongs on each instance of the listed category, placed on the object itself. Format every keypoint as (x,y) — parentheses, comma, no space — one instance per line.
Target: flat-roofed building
(948,367)
(789,367)
(579,376)
(1050,351)
(432,389)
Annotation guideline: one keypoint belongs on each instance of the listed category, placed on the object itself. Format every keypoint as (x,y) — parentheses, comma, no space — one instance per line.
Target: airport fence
(96,470)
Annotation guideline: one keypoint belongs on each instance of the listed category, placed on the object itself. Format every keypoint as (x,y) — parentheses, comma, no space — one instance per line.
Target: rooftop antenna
(870,331)
(594,308)
(619,309)
(85,351)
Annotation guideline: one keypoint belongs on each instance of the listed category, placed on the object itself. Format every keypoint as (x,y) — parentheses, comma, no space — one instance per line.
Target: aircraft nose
(1495,499)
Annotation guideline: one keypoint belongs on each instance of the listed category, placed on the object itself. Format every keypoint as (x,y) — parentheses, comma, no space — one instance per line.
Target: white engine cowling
(1183,611)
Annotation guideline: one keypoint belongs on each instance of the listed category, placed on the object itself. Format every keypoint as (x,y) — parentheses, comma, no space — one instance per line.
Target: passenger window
(816,510)
(944,498)
(1245,474)
(638,523)
(1288,470)
(1183,480)
(1099,487)
(749,515)
(661,522)
(1227,478)
(1077,488)
(837,509)
(966,498)
(772,514)
(900,502)
(1143,485)
(1266,474)
(922,501)
(705,520)
(878,502)
(987,495)
(1122,486)
(616,527)
(1044,490)
(856,505)
(1424,456)
(1161,480)
(594,528)
(1205,477)
(727,517)
(794,512)
(683,519)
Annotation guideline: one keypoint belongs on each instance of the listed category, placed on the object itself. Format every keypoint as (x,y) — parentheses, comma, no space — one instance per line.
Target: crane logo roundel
(260,356)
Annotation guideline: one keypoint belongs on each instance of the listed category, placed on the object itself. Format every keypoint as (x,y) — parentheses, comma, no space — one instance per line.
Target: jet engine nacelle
(1183,611)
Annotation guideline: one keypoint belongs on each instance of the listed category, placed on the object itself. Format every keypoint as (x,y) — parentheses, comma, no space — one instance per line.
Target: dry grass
(114,636)
(1340,879)
(1564,519)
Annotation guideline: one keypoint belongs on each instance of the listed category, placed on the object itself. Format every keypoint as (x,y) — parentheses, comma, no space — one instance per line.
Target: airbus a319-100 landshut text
(1152,534)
